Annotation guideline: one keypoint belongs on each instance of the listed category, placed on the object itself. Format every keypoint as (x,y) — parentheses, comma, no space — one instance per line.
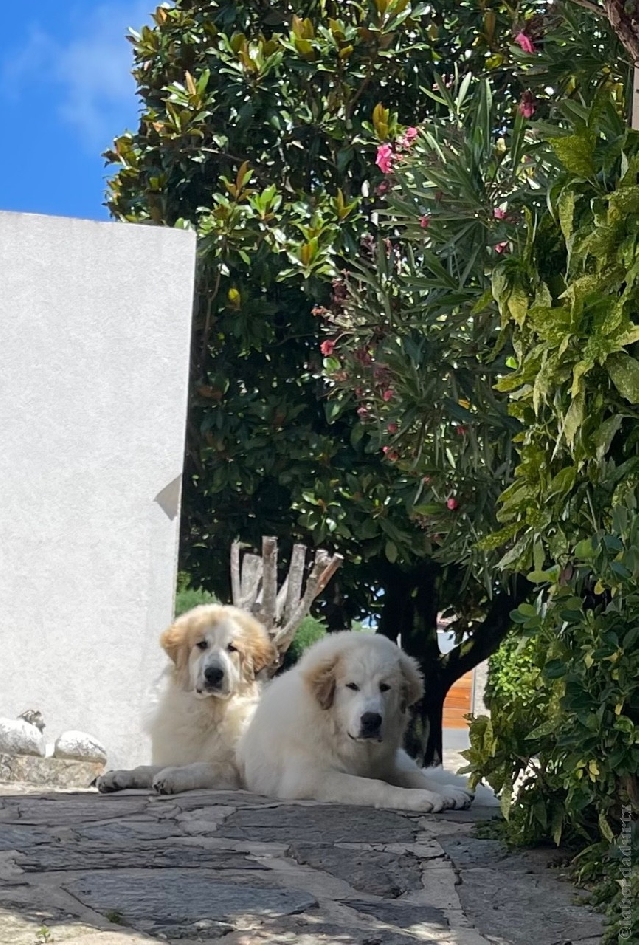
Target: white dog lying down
(206,698)
(331,729)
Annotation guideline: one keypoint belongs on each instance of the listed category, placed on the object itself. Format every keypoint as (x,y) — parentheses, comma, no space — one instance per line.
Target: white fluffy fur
(194,722)
(306,738)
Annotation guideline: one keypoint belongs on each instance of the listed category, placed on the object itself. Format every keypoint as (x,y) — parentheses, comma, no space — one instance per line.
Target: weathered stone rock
(22,838)
(18,737)
(520,908)
(403,915)
(69,809)
(33,717)
(52,772)
(470,851)
(78,746)
(158,900)
(132,855)
(370,871)
(114,832)
(329,824)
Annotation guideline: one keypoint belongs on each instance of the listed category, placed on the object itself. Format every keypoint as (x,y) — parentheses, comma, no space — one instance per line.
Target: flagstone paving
(132,868)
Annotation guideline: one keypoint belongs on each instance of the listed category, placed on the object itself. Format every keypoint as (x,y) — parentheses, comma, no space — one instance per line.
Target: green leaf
(506,799)
(574,418)
(605,434)
(390,550)
(624,374)
(585,549)
(566,212)
(576,153)
(554,669)
(605,827)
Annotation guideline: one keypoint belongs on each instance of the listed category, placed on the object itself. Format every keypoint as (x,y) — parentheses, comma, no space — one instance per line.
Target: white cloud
(89,71)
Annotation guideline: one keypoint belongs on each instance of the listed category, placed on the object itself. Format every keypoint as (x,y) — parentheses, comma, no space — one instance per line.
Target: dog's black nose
(371,724)
(214,675)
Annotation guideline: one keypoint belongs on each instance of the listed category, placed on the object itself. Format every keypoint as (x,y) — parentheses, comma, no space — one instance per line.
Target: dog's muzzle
(371,726)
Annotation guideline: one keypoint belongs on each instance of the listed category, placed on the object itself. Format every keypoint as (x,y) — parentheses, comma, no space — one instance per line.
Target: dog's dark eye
(384,687)
(231,648)
(353,686)
(202,645)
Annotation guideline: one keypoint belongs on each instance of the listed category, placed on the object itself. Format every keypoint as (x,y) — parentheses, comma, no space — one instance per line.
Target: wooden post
(254,588)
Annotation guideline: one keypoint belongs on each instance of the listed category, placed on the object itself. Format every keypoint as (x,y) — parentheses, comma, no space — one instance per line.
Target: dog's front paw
(170,781)
(457,798)
(427,802)
(112,781)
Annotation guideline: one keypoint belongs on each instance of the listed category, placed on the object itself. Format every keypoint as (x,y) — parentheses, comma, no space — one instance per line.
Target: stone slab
(375,872)
(403,915)
(179,899)
(52,773)
(329,824)
(523,908)
(133,869)
(133,855)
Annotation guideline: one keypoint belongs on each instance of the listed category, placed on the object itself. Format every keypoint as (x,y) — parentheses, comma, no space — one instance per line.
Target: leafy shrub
(512,675)
(570,294)
(310,631)
(188,597)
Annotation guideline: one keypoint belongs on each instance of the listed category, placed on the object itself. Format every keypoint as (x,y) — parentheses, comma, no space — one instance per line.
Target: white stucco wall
(95,323)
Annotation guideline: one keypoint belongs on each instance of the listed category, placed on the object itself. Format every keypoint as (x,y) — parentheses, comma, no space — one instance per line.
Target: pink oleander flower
(327,347)
(501,247)
(525,43)
(388,394)
(424,221)
(407,138)
(390,453)
(499,214)
(452,504)
(385,158)
(392,428)
(363,413)
(527,105)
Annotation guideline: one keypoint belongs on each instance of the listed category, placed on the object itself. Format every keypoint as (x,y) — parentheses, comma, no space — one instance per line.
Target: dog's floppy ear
(412,681)
(172,642)
(320,679)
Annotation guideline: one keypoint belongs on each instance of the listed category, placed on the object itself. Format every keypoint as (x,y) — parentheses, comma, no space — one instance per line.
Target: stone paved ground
(128,869)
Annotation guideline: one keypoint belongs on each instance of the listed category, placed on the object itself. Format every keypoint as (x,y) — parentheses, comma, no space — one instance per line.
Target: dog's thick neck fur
(189,728)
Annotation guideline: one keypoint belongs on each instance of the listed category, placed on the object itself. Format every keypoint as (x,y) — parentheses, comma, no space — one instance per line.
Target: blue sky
(65,92)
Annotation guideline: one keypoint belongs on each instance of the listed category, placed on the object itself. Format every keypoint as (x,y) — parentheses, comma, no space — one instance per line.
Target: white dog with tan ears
(331,729)
(207,697)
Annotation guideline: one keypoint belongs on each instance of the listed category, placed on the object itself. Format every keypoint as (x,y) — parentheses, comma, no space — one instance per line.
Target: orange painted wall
(458,702)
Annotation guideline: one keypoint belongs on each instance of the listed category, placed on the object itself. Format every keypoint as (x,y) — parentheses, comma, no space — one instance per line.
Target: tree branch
(236,587)
(484,638)
(269,581)
(294,581)
(254,588)
(625,23)
(323,569)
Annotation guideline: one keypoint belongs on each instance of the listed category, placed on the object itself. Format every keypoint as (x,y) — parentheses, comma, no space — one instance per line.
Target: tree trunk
(411,605)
